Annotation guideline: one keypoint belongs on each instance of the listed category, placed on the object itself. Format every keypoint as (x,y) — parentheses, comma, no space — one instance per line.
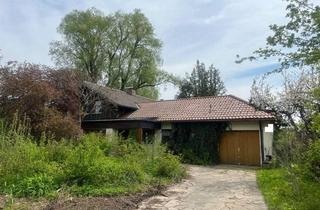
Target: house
(247,139)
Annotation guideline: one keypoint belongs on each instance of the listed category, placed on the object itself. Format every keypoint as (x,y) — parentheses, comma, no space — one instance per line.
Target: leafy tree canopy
(119,49)
(295,105)
(296,43)
(202,82)
(46,98)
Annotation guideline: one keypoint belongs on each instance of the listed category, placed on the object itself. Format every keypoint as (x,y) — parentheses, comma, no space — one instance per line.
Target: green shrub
(79,163)
(58,151)
(284,190)
(288,148)
(93,165)
(35,186)
(313,160)
(168,166)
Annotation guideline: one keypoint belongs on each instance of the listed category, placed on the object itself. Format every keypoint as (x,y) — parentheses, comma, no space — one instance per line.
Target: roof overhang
(120,124)
(271,120)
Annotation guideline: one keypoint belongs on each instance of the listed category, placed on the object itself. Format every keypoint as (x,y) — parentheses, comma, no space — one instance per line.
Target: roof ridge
(185,99)
(118,90)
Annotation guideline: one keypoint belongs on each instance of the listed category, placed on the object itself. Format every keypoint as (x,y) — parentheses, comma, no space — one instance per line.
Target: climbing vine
(197,142)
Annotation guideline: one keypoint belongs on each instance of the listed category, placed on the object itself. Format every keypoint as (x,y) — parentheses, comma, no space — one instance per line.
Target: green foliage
(202,82)
(35,186)
(296,184)
(297,156)
(296,43)
(121,46)
(315,125)
(312,161)
(196,142)
(93,165)
(287,148)
(283,190)
(168,166)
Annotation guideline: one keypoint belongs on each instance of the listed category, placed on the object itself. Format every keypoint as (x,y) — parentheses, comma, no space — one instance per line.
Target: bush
(283,190)
(288,148)
(93,165)
(313,160)
(58,126)
(297,155)
(35,186)
(168,166)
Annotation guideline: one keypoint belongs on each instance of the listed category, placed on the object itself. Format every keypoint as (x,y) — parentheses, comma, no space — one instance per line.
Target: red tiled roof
(200,108)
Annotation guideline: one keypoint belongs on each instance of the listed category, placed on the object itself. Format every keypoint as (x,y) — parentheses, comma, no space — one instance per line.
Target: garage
(240,148)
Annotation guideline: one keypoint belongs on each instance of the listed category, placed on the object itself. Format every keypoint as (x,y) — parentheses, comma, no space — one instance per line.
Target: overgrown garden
(93,165)
(43,150)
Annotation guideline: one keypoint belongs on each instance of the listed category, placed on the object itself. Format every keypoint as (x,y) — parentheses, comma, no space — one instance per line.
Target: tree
(294,105)
(216,85)
(296,43)
(39,95)
(119,49)
(202,82)
(83,45)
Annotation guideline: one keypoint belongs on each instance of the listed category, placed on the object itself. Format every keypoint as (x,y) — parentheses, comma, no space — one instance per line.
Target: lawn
(284,190)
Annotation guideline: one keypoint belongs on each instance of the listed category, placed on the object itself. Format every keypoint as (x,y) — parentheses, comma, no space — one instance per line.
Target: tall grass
(94,165)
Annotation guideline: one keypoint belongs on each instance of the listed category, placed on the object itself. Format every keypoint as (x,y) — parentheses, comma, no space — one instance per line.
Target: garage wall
(244,126)
(251,126)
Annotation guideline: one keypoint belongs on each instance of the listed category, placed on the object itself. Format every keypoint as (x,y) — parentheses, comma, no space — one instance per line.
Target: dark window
(166,134)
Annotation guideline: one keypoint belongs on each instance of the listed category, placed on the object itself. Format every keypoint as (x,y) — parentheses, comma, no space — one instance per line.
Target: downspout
(261,142)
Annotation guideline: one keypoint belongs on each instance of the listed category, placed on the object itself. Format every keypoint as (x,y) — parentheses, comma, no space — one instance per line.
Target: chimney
(130,91)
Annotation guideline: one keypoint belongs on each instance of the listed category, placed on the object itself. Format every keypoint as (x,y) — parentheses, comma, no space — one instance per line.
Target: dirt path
(219,187)
(67,202)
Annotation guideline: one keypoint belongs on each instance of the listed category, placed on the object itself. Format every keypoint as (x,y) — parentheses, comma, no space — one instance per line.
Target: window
(97,107)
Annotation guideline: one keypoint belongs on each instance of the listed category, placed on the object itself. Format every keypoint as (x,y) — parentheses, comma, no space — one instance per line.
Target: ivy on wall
(197,142)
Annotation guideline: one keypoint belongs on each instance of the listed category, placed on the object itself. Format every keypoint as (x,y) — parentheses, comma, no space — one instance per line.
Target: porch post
(139,135)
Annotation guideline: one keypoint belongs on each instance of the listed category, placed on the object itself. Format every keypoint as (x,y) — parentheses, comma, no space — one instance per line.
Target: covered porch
(142,127)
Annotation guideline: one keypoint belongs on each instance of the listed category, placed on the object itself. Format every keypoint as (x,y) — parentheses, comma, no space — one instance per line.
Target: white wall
(247,126)
(111,131)
(267,138)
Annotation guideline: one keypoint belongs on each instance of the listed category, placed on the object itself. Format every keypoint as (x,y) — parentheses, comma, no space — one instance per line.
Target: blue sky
(213,31)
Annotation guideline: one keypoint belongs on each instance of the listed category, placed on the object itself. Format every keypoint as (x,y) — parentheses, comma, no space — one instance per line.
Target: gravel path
(220,187)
